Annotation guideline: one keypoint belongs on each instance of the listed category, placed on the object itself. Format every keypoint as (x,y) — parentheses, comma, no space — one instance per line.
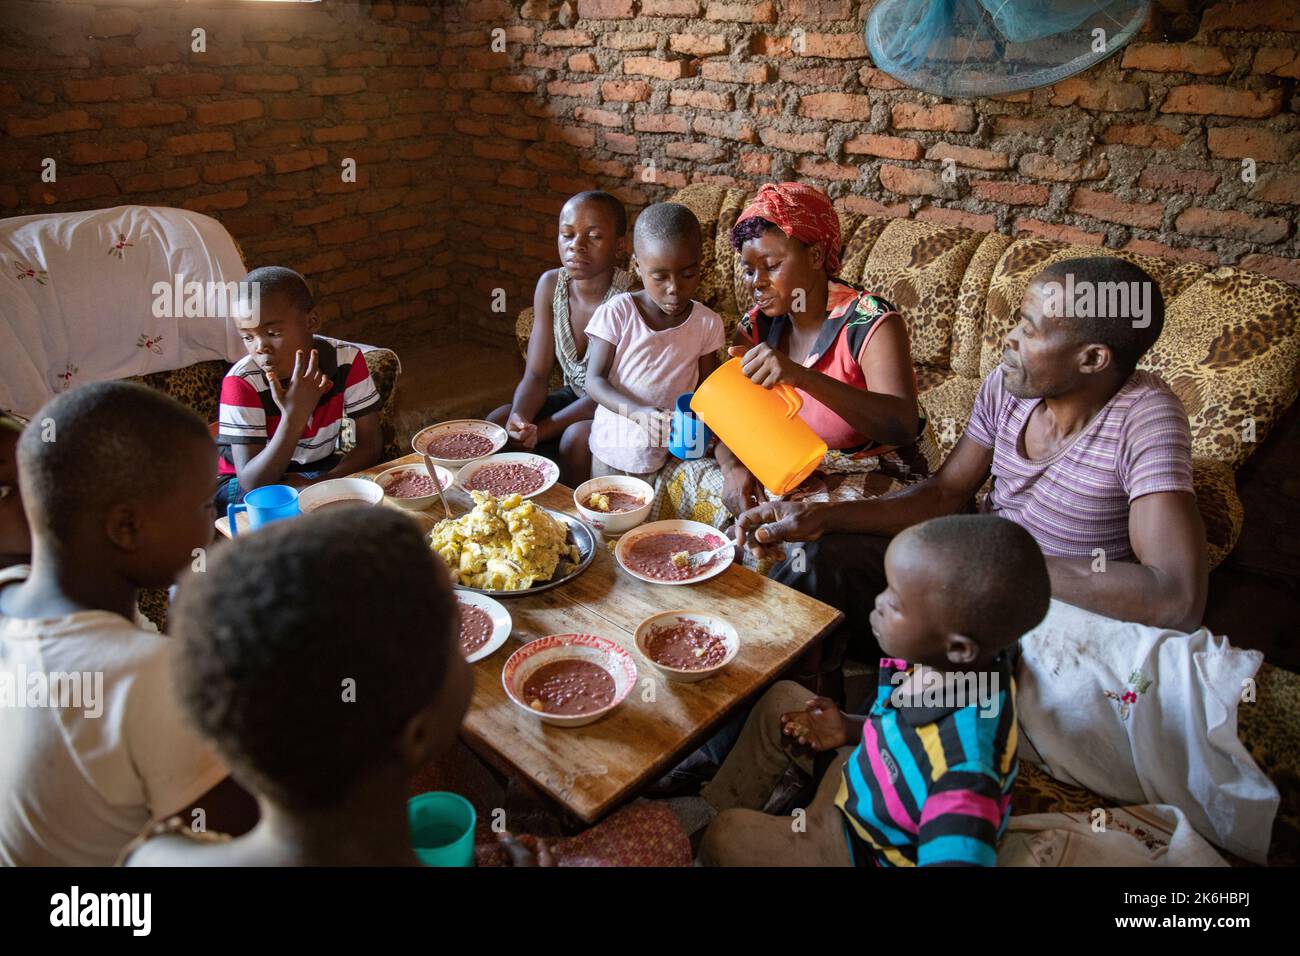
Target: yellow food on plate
(598,502)
(504,544)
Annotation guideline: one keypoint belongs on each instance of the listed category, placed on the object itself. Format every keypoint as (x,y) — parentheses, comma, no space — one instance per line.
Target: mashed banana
(504,544)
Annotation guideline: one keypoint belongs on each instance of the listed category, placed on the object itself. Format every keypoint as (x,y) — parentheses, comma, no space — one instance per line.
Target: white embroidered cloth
(79,305)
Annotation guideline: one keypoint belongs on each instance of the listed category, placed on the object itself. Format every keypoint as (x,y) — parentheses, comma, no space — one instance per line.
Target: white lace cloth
(77,298)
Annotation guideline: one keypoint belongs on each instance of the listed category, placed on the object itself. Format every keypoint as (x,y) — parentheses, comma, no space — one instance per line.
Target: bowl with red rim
(557,648)
(614,522)
(716,626)
(490,439)
(397,482)
(481,475)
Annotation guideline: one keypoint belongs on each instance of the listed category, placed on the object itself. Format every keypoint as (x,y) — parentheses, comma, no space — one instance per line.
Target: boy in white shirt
(646,348)
(116,482)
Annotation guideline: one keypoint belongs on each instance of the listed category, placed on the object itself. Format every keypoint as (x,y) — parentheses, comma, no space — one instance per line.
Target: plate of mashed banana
(509,546)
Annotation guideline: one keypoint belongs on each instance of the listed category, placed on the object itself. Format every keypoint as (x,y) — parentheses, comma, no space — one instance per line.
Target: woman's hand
(766,366)
(521,431)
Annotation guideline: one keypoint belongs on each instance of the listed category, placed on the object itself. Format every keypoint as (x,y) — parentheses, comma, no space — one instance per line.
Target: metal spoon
(432,469)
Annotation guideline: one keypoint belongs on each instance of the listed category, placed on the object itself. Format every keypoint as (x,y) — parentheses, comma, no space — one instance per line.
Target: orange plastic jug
(761,426)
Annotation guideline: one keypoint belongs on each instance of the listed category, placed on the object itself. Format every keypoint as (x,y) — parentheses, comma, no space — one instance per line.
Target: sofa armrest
(1215,484)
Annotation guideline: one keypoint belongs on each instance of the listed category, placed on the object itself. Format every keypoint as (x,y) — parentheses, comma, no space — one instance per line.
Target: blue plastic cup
(689,437)
(264,505)
(442,828)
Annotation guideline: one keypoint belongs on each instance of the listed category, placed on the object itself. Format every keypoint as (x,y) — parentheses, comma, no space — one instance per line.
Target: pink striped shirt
(1078,499)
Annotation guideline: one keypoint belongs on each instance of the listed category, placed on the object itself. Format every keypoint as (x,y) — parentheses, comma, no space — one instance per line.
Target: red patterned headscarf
(802,212)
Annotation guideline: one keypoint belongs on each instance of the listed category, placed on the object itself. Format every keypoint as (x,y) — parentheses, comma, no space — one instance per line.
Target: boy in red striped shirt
(283,407)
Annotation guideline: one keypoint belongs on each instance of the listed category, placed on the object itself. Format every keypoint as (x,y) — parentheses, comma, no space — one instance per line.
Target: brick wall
(253,131)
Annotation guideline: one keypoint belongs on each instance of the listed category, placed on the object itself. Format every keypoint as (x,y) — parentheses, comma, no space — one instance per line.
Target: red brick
(1178,180)
(1249,142)
(659,123)
(358,58)
(105,89)
(1206,99)
(136,56)
(573,135)
(612,167)
(583,63)
(217,173)
(1099,205)
(1278,188)
(72,189)
(1231,225)
(604,9)
(520,83)
(1013,194)
(565,38)
(318,214)
(504,152)
(1032,126)
(701,99)
(339,134)
(525,131)
(21,61)
(1279,61)
(756,164)
(793,142)
(340,232)
(214,202)
(865,206)
(88,154)
(114,22)
(956,217)
(551,60)
(278,55)
(569,88)
(1288,270)
(968,156)
(1042,166)
(801,10)
(945,117)
(1059,232)
(227,112)
(654,67)
(180,85)
(838,106)
(724,71)
(191,144)
(1176,58)
(670,8)
(910,182)
(1256,15)
(619,142)
(276,136)
(816,168)
(1152,137)
(272,83)
(833,46)
(298,161)
(518,178)
(69,121)
(595,117)
(731,128)
(875,79)
(741,11)
(696,152)
(1147,247)
(548,160)
(1094,94)
(698,44)
(625,91)
(888,147)
(492,105)
(298,107)
(337,85)
(832,76)
(159,182)
(624,40)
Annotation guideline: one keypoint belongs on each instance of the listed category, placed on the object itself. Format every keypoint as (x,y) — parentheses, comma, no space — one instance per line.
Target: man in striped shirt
(1088,454)
(283,406)
(924,778)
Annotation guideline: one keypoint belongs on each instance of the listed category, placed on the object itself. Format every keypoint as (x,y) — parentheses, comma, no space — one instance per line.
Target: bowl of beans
(512,473)
(687,646)
(569,679)
(614,504)
(457,443)
(410,487)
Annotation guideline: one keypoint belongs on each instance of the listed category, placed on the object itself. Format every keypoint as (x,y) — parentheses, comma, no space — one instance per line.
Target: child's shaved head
(283,282)
(665,222)
(98,445)
(606,201)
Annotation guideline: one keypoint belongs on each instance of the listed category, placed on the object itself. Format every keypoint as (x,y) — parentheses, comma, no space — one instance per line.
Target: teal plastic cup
(442,828)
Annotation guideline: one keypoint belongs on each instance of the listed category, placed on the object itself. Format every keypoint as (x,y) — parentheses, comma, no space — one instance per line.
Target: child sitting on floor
(648,347)
(592,238)
(283,407)
(321,659)
(925,777)
(117,485)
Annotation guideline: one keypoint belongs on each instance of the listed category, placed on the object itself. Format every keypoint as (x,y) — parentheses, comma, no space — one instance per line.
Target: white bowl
(549,469)
(587,647)
(418,502)
(313,497)
(501,623)
(626,542)
(715,624)
(477,426)
(618,521)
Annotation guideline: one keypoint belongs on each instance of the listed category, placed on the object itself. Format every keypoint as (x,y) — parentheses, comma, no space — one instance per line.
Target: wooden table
(591,770)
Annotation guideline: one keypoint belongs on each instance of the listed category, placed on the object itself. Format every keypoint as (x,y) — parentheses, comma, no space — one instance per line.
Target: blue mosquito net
(968,48)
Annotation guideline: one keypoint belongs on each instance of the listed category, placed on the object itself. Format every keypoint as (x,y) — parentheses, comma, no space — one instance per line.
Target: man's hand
(741,490)
(306,386)
(819,726)
(766,366)
(521,855)
(521,431)
(775,521)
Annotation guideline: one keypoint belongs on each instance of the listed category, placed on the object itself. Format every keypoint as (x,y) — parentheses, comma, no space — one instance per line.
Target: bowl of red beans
(687,646)
(410,487)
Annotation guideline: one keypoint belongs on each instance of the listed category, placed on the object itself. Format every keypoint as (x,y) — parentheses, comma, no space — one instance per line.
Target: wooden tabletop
(590,770)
